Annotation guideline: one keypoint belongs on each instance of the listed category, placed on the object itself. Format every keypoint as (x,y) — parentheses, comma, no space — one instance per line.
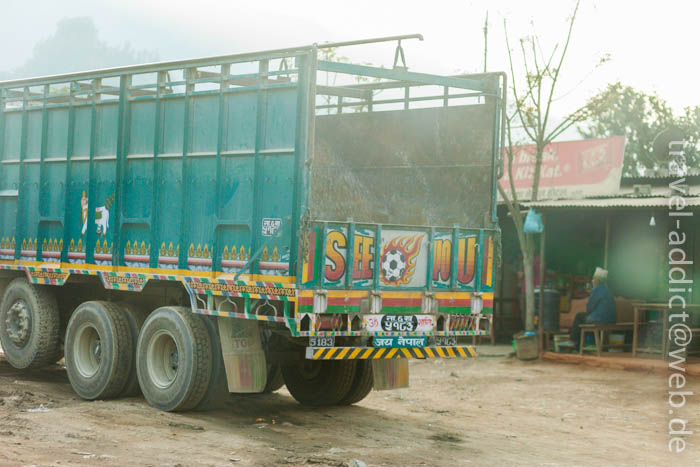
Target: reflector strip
(365,353)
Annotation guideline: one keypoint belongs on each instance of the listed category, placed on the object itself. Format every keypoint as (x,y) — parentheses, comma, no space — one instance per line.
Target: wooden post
(606,246)
(540,323)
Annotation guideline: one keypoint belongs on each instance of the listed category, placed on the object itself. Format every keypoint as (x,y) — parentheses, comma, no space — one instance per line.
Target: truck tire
(217,393)
(63,318)
(174,359)
(361,384)
(275,380)
(29,325)
(58,353)
(99,350)
(135,318)
(319,382)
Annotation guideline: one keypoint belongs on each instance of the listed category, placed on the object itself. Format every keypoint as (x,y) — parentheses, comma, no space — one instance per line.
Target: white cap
(600,274)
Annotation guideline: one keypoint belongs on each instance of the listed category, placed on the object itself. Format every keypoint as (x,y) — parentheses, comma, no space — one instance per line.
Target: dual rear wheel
(114,349)
(329,382)
(172,355)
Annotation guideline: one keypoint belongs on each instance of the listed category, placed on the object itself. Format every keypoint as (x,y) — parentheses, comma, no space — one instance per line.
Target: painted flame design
(409,245)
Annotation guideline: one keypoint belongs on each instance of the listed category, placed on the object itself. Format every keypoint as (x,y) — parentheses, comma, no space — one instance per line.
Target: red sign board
(570,169)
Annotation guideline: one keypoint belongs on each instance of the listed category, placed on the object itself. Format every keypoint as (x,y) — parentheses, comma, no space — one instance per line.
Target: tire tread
(361,385)
(45,310)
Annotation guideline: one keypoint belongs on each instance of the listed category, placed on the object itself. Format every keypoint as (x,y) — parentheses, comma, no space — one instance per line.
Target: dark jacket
(600,307)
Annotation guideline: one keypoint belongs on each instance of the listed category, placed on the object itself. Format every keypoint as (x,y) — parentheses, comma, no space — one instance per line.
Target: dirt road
(485,411)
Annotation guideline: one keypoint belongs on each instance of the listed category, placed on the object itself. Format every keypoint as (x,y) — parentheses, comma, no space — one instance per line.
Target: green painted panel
(33,134)
(49,231)
(57,133)
(234,206)
(52,199)
(202,200)
(277,197)
(8,217)
(81,131)
(220,202)
(136,241)
(107,129)
(236,192)
(143,120)
(170,201)
(205,123)
(13,135)
(173,124)
(78,187)
(105,192)
(29,200)
(138,195)
(241,120)
(279,126)
(9,176)
(9,180)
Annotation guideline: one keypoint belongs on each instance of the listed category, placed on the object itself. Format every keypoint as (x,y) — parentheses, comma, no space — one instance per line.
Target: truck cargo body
(247,187)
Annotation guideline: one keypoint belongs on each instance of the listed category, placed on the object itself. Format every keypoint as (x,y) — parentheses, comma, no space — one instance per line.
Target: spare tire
(29,325)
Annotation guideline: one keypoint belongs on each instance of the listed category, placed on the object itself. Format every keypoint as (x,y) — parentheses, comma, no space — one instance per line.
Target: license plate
(399,323)
(445,340)
(322,341)
(386,342)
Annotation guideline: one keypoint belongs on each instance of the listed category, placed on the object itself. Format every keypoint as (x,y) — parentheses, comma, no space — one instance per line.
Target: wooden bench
(599,331)
(667,343)
(548,335)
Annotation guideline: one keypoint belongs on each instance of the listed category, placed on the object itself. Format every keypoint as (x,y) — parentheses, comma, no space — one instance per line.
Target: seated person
(600,308)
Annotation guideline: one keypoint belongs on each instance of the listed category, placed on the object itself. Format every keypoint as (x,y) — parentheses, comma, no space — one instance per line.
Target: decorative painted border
(393,334)
(230,314)
(246,289)
(134,279)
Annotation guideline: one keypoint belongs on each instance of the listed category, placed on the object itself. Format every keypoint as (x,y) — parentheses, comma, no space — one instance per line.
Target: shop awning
(619,202)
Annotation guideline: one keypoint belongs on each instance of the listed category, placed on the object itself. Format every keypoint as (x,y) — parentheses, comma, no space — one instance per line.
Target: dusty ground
(486,411)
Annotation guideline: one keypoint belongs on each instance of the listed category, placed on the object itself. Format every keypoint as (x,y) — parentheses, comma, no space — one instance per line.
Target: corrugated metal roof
(663,173)
(656,191)
(626,202)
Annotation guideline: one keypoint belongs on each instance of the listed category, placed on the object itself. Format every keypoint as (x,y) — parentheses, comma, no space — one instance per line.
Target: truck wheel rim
(87,350)
(310,369)
(18,323)
(162,359)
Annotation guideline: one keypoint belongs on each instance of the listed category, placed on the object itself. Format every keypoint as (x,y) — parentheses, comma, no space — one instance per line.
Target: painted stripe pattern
(230,314)
(245,289)
(135,279)
(481,332)
(371,353)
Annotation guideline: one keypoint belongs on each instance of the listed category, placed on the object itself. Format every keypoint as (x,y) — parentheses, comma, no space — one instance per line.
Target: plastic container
(525,345)
(552,306)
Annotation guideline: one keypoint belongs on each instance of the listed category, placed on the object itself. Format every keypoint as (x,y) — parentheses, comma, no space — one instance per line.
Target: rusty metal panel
(429,166)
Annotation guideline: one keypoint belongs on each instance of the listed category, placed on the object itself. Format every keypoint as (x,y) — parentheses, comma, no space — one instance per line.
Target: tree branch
(557,70)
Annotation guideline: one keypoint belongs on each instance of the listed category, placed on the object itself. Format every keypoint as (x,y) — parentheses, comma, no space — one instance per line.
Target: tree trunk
(529,286)
(539,149)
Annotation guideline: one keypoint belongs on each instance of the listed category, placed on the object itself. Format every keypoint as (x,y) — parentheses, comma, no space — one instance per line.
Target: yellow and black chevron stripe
(365,353)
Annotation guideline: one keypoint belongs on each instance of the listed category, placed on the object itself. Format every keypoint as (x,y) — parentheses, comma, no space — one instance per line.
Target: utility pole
(486,36)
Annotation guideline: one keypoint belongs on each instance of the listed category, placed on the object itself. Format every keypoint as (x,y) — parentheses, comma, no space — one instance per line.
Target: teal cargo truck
(197,228)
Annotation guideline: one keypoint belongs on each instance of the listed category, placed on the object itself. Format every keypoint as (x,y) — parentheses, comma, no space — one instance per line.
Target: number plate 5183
(322,341)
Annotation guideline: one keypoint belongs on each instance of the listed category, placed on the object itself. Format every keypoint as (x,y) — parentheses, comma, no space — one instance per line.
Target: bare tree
(532,105)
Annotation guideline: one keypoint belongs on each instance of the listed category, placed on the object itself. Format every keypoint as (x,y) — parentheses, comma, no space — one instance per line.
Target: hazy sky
(652,44)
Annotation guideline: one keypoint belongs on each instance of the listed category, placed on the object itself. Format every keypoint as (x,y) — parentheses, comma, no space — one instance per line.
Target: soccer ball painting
(393,265)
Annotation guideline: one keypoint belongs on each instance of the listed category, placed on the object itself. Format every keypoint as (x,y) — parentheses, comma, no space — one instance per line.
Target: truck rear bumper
(364,353)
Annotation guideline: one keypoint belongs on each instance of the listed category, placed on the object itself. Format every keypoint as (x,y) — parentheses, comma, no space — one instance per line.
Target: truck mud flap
(363,353)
